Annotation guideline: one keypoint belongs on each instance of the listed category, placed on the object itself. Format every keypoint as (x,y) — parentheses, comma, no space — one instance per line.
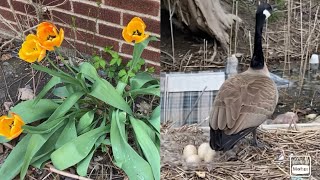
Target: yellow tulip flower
(48,35)
(11,127)
(31,50)
(135,31)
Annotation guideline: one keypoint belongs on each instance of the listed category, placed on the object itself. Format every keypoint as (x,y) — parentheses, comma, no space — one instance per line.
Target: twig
(231,29)
(184,70)
(5,82)
(301,38)
(8,145)
(183,59)
(195,104)
(49,174)
(236,30)
(63,173)
(250,42)
(33,81)
(214,52)
(162,51)
(15,17)
(307,47)
(171,30)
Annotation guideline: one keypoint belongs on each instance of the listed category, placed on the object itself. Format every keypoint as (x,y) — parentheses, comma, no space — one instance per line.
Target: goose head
(264,10)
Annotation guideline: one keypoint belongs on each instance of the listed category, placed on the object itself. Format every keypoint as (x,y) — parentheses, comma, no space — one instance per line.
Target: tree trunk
(204,15)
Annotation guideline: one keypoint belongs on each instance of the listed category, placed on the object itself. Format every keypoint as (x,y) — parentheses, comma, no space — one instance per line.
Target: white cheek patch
(267,13)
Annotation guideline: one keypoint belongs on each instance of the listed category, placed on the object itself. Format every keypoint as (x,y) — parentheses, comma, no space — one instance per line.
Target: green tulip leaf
(76,150)
(68,134)
(147,145)
(104,91)
(125,156)
(13,163)
(85,121)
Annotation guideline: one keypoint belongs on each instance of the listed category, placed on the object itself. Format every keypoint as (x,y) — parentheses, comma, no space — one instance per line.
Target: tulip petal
(5,123)
(61,35)
(31,49)
(135,31)
(126,35)
(142,38)
(11,127)
(48,35)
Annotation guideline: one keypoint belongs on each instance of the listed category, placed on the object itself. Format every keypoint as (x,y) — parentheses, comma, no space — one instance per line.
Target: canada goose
(245,100)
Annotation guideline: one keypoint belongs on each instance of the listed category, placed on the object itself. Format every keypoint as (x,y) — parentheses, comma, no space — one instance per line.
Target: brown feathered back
(243,101)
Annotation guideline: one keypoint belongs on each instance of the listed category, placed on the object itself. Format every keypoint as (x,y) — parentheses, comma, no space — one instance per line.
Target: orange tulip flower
(31,50)
(135,31)
(48,35)
(11,127)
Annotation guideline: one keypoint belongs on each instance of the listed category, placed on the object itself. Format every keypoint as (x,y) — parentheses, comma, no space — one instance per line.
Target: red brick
(155,44)
(4,3)
(47,15)
(79,22)
(152,25)
(5,27)
(141,6)
(7,14)
(27,21)
(23,7)
(91,38)
(110,31)
(97,1)
(147,54)
(99,41)
(68,32)
(97,12)
(62,4)
(82,48)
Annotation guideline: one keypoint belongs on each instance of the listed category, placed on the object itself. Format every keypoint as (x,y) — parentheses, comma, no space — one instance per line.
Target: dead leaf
(201,174)
(7,105)
(144,108)
(25,93)
(5,57)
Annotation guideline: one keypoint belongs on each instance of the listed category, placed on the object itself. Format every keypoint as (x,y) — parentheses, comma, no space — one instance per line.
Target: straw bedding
(270,162)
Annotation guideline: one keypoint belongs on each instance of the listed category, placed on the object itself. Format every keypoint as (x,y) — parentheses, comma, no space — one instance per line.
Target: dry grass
(252,163)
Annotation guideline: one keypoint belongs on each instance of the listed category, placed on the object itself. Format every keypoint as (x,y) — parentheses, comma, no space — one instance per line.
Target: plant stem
(64,62)
(52,64)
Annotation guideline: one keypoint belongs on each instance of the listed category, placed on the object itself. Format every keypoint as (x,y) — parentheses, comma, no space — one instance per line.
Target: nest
(270,162)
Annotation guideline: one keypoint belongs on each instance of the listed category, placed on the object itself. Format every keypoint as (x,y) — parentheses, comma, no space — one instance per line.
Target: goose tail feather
(219,141)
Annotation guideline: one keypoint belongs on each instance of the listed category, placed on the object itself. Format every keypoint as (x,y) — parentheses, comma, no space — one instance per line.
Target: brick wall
(89,25)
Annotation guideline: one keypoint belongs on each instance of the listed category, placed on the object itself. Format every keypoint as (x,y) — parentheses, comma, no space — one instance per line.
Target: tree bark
(204,16)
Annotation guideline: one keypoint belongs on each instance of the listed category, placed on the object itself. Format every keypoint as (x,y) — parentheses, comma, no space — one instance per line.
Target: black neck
(257,61)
